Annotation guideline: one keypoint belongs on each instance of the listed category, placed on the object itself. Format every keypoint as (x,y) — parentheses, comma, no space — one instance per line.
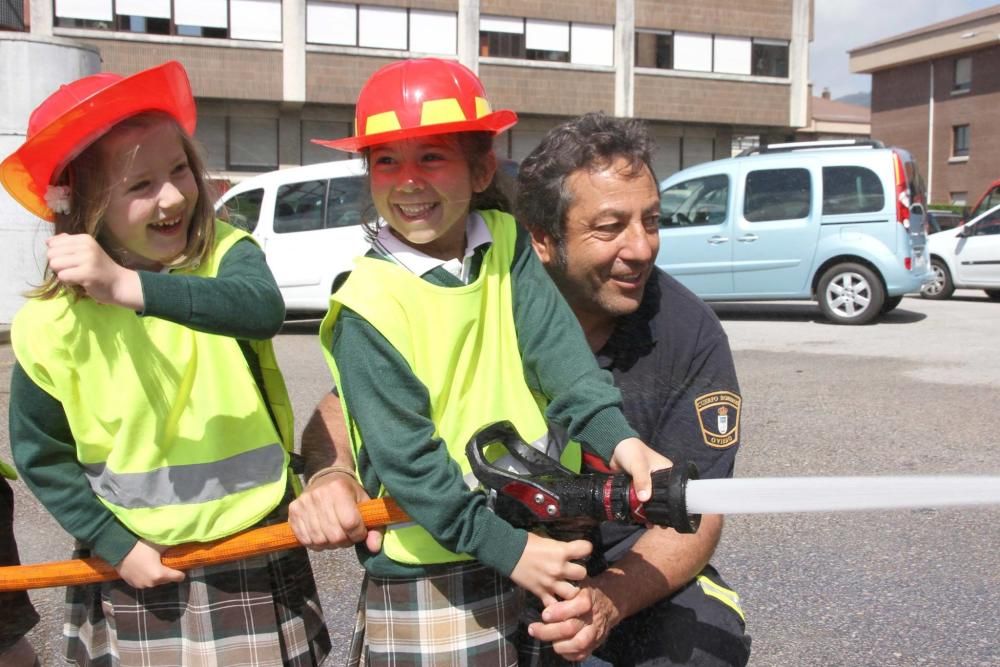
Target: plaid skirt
(464,614)
(262,611)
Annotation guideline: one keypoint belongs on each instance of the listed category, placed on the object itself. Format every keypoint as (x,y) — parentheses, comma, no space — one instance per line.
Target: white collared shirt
(419,263)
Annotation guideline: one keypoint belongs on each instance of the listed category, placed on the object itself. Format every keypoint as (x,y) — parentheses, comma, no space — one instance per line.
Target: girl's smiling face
(422,187)
(153,194)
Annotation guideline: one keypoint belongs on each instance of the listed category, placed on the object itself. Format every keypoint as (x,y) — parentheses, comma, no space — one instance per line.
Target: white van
(308,221)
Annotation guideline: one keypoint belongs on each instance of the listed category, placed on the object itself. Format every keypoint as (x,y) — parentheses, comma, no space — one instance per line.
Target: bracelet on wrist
(329,470)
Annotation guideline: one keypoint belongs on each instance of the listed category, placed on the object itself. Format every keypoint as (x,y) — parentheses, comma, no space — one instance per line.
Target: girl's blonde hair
(87,176)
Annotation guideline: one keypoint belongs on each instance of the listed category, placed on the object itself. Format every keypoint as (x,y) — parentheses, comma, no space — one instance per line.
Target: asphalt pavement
(915,393)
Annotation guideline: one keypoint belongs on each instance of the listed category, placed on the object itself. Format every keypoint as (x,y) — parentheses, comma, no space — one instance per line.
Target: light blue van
(839,222)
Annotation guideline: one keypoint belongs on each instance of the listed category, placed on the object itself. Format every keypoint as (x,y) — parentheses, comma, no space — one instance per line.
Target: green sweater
(391,408)
(242,302)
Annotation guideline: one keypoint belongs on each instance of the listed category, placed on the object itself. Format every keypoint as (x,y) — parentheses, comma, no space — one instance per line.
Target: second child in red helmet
(447,325)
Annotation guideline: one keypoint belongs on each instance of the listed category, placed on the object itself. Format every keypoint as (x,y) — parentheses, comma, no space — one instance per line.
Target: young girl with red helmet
(146,406)
(447,325)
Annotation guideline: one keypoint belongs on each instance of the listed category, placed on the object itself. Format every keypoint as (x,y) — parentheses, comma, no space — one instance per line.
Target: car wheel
(993,294)
(850,294)
(941,286)
(891,303)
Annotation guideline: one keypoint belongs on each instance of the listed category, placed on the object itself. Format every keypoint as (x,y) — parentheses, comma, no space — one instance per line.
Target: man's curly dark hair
(592,142)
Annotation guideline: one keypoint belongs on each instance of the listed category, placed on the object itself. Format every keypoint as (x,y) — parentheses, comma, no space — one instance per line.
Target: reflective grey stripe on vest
(188,484)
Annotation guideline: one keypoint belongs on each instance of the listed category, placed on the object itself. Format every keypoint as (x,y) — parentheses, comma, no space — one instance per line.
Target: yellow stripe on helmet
(483,107)
(387,121)
(435,112)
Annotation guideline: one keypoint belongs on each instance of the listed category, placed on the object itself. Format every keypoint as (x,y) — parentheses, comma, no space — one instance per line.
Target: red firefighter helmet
(417,98)
(80,113)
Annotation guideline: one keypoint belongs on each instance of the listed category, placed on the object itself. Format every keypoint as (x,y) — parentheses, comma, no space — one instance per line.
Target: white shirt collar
(419,263)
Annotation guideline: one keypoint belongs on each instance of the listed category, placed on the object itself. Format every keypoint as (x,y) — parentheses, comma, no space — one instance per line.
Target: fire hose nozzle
(668,504)
(550,494)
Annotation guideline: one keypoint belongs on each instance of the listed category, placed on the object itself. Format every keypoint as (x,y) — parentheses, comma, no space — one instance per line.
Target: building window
(731,55)
(382,28)
(331,23)
(546,40)
(552,41)
(692,52)
(960,141)
(501,37)
(959,198)
(255,20)
(368,26)
(94,14)
(711,53)
(252,143)
(963,75)
(433,32)
(151,17)
(769,58)
(12,16)
(592,44)
(207,18)
(326,130)
(211,134)
(654,49)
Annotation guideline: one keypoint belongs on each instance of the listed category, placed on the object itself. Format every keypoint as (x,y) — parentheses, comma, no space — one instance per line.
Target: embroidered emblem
(719,417)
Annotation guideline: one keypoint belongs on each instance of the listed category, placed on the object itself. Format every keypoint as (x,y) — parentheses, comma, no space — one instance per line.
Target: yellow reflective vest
(462,344)
(169,424)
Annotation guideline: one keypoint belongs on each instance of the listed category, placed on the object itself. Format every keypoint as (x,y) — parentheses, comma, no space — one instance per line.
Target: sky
(840,25)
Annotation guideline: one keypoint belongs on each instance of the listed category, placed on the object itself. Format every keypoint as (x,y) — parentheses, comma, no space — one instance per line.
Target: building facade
(270,75)
(935,92)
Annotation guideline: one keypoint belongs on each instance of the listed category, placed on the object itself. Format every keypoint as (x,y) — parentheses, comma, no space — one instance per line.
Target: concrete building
(269,75)
(935,92)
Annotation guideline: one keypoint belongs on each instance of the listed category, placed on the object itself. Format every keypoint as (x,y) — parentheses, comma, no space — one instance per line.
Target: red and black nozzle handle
(550,494)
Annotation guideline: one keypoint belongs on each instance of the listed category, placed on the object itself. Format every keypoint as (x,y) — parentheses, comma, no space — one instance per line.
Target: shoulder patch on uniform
(719,417)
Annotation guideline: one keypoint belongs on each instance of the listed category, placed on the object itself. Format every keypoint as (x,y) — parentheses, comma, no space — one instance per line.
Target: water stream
(834,494)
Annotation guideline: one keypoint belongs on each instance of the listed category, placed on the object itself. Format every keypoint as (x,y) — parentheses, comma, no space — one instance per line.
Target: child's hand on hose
(546,568)
(635,457)
(141,567)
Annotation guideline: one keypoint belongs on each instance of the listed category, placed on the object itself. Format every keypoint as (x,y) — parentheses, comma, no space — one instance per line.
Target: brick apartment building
(936,92)
(270,75)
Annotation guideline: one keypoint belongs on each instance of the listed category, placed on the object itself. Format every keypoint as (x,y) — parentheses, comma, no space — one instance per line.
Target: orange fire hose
(375,513)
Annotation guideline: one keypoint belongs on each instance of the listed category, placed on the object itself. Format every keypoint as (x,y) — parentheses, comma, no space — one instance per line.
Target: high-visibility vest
(169,425)
(7,470)
(461,343)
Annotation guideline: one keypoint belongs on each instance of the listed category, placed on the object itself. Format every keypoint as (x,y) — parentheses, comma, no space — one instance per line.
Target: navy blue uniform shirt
(672,362)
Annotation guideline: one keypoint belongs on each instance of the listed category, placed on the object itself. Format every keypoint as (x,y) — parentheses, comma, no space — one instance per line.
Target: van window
(700,201)
(851,190)
(777,194)
(244,209)
(346,200)
(299,207)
